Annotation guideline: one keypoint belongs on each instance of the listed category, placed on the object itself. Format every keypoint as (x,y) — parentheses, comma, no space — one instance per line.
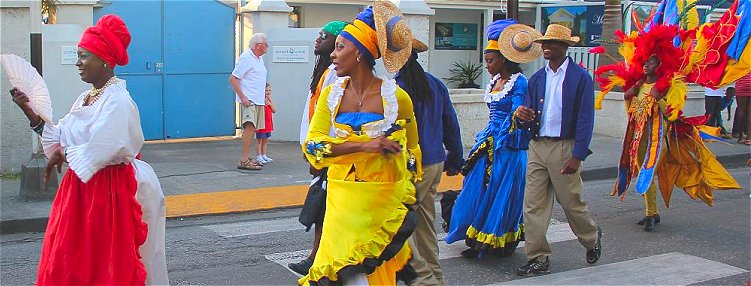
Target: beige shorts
(253,114)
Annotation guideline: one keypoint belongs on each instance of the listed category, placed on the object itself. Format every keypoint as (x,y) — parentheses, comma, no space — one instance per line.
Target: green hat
(334,27)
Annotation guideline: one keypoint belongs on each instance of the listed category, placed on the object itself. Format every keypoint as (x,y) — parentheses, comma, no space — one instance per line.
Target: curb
(264,199)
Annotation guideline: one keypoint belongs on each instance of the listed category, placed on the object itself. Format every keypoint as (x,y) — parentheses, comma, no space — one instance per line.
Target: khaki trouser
(423,242)
(545,182)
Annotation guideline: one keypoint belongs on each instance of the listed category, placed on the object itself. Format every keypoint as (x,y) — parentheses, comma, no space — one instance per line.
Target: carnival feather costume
(710,55)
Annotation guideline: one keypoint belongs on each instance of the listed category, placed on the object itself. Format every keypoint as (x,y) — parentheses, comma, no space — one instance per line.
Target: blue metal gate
(181,56)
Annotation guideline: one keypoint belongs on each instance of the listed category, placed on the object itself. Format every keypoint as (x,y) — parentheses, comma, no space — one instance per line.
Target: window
(294,17)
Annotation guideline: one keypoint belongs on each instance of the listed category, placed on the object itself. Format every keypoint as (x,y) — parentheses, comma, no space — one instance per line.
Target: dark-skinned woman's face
(344,56)
(650,66)
(90,67)
(324,43)
(493,62)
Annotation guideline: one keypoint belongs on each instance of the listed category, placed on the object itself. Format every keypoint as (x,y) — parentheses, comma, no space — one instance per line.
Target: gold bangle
(38,124)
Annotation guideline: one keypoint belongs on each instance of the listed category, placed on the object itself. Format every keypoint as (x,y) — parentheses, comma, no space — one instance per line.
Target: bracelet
(38,124)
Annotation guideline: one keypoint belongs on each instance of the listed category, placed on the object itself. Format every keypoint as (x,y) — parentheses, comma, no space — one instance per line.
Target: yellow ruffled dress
(367,217)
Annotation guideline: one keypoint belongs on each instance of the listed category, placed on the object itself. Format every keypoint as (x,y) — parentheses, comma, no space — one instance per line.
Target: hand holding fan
(26,78)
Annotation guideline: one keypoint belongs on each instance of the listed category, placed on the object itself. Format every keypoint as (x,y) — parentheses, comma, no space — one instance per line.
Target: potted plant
(465,73)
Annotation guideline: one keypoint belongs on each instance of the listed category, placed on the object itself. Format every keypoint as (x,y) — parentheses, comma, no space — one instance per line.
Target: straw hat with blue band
(517,43)
(394,35)
(494,31)
(363,34)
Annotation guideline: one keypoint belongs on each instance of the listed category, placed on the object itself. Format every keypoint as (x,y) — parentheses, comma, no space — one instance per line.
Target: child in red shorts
(263,135)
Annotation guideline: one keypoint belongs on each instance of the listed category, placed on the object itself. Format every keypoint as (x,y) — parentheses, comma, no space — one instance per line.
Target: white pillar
(417,13)
(259,16)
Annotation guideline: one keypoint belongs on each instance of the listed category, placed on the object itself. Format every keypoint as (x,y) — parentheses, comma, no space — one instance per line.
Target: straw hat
(394,35)
(559,33)
(418,46)
(516,43)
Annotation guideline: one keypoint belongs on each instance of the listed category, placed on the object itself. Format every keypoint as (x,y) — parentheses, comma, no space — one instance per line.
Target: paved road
(694,244)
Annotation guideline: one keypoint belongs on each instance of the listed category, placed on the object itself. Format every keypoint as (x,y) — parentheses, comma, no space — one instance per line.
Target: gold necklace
(95,93)
(357,95)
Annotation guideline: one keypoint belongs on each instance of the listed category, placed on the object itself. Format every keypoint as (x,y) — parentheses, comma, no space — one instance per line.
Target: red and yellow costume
(659,140)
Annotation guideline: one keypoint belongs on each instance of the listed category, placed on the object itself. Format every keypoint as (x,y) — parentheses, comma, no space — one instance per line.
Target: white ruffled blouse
(107,132)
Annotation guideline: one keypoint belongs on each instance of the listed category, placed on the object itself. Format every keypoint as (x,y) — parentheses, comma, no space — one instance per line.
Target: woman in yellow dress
(372,160)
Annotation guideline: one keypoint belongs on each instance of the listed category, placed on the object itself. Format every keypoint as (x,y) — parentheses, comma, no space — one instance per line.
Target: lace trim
(373,129)
(496,96)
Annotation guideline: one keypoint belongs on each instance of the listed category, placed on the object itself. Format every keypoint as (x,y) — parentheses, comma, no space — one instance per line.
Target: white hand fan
(26,78)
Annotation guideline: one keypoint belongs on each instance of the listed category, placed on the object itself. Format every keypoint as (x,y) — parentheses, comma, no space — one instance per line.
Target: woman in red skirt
(96,224)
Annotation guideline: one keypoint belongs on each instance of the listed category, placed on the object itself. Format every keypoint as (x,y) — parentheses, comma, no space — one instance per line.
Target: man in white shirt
(248,80)
(559,112)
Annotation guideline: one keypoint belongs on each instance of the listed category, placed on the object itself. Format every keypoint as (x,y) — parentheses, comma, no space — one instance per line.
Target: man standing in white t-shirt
(248,80)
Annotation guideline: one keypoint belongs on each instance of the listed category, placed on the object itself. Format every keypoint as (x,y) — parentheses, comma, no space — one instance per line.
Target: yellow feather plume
(676,96)
(614,81)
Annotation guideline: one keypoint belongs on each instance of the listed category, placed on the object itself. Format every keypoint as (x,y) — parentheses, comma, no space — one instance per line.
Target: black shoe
(470,253)
(649,223)
(534,267)
(301,267)
(509,249)
(641,221)
(594,254)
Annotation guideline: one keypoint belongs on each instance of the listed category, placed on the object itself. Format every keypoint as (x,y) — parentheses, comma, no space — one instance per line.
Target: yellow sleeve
(317,147)
(407,112)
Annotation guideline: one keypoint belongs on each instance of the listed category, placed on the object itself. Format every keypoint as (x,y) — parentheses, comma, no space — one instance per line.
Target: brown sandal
(249,165)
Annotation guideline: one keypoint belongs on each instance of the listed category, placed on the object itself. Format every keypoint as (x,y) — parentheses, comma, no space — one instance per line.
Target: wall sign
(290,54)
(68,55)
(584,21)
(455,36)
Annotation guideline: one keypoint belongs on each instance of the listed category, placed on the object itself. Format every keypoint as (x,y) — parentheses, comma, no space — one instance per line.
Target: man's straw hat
(516,43)
(418,46)
(394,35)
(559,33)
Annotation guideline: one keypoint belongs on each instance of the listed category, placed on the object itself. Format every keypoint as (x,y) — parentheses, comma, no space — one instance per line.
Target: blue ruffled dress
(488,212)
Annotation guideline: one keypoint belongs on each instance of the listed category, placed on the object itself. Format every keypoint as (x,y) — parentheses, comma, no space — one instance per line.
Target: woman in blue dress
(488,212)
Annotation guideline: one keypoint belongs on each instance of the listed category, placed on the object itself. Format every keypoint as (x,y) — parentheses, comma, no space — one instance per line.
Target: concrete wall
(441,60)
(290,82)
(471,111)
(63,81)
(78,14)
(15,135)
(317,15)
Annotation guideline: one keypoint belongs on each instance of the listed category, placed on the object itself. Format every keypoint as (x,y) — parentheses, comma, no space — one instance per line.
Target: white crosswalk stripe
(664,269)
(672,268)
(557,232)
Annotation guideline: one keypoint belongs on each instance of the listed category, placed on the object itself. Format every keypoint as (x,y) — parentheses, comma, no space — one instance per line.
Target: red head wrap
(108,39)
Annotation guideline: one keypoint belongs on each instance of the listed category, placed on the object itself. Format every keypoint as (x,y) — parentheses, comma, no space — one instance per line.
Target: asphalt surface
(694,244)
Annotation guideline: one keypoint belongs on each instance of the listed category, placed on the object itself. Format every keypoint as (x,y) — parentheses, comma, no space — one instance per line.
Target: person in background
(742,113)
(248,80)
(727,103)
(440,141)
(713,107)
(314,208)
(263,135)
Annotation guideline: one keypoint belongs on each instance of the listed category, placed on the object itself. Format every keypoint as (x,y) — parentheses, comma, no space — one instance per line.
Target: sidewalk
(201,178)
